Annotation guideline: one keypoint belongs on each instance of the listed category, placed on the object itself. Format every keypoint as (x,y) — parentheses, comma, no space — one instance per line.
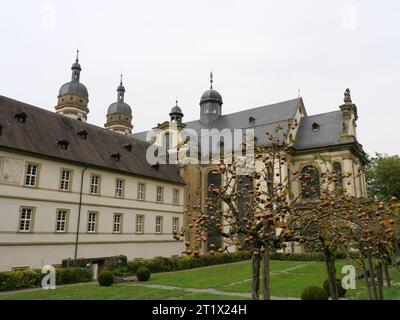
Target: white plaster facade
(43,245)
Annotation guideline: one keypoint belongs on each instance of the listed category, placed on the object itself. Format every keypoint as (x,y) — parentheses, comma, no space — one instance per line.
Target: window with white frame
(95,184)
(141,191)
(159,224)
(31,175)
(175,224)
(160,194)
(25,223)
(117,223)
(61,225)
(119,188)
(65,181)
(176,196)
(92,222)
(139,224)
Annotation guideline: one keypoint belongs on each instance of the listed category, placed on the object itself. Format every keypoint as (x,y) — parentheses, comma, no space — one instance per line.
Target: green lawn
(288,279)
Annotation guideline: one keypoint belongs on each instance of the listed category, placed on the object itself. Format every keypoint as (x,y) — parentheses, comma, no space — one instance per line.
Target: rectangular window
(119,188)
(62,216)
(176,196)
(65,181)
(175,224)
(95,185)
(139,224)
(92,222)
(117,223)
(31,175)
(159,224)
(25,223)
(141,191)
(160,194)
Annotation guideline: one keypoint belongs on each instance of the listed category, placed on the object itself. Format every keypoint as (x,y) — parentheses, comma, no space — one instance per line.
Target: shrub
(106,279)
(341,291)
(314,293)
(15,280)
(143,274)
(72,275)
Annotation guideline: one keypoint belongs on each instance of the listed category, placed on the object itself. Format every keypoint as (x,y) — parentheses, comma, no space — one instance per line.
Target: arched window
(310,185)
(213,236)
(337,170)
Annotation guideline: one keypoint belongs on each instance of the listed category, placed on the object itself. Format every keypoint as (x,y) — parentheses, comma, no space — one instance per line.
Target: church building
(70,189)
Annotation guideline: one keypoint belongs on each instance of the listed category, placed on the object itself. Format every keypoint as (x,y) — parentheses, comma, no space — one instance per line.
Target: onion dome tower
(119,114)
(176,114)
(73,97)
(210,104)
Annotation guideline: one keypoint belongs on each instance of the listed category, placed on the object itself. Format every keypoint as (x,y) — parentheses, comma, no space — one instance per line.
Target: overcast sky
(261,52)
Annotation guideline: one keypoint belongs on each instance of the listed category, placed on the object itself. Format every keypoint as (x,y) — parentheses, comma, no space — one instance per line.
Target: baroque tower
(73,97)
(119,114)
(210,104)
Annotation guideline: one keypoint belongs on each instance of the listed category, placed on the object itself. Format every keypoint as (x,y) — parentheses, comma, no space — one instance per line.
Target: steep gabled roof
(42,130)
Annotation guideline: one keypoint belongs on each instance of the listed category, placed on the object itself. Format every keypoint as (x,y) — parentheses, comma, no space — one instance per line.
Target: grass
(288,279)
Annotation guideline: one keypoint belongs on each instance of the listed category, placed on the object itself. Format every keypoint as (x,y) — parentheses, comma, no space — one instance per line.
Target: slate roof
(328,133)
(266,119)
(43,129)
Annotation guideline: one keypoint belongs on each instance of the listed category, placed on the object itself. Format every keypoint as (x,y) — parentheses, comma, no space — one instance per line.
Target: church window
(310,184)
(337,170)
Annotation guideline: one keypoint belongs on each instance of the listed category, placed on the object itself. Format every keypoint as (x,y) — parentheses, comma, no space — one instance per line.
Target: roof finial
(347,96)
(77,55)
(176,101)
(211,80)
(299,93)
(121,80)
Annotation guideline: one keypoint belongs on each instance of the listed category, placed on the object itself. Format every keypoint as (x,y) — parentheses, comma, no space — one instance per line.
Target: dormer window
(252,119)
(116,157)
(63,144)
(21,117)
(128,147)
(83,134)
(315,126)
(156,166)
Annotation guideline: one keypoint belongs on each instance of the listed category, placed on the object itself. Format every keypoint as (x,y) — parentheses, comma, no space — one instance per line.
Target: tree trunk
(372,275)
(387,274)
(266,275)
(380,279)
(367,282)
(331,272)
(256,278)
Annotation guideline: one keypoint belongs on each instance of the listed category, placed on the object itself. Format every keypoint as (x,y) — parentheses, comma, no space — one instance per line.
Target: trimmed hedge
(143,274)
(310,256)
(106,279)
(314,293)
(25,279)
(162,264)
(110,263)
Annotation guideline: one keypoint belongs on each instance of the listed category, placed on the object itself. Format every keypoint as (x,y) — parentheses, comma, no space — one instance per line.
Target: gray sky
(261,52)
